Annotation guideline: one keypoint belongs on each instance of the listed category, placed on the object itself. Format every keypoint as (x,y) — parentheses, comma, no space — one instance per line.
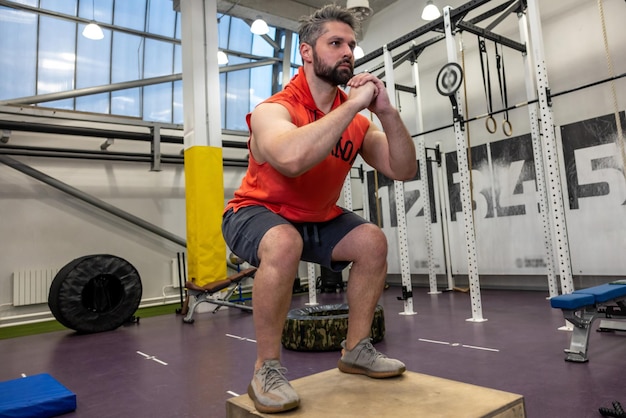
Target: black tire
(323,327)
(95,293)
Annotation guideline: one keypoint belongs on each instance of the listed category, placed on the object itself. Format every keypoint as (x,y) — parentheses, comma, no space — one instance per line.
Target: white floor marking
(458,344)
(149,357)
(240,338)
(481,348)
(434,341)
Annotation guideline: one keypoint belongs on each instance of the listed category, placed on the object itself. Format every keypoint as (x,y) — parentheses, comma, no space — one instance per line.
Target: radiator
(31,286)
(174,270)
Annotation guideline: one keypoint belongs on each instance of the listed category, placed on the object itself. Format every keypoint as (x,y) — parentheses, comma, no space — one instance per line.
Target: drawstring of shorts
(307,227)
(306,232)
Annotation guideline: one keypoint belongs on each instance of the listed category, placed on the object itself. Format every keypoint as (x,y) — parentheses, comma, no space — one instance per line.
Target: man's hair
(312,27)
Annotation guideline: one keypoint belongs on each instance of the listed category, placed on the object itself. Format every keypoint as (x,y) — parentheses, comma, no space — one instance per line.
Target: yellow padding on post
(204,191)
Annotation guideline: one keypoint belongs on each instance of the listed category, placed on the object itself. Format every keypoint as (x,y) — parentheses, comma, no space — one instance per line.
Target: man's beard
(334,75)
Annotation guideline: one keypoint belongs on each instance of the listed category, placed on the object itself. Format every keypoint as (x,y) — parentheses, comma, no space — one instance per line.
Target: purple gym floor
(163,368)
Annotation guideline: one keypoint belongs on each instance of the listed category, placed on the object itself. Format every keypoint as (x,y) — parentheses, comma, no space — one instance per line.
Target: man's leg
(366,247)
(279,255)
(273,245)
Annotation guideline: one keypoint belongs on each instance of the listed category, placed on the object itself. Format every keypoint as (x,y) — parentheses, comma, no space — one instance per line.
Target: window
(18,56)
(45,53)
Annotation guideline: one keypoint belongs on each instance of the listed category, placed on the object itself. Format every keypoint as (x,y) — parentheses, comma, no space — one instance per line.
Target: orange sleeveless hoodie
(312,196)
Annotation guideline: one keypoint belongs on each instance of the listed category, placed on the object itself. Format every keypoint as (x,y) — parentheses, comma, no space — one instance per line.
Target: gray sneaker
(364,359)
(270,390)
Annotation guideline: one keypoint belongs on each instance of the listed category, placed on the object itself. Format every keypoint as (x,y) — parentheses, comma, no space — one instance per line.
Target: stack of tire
(323,327)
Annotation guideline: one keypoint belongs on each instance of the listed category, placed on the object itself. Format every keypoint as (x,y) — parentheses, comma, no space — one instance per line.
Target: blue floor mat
(39,396)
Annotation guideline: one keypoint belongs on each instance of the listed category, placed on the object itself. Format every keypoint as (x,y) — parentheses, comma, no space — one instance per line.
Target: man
(303,142)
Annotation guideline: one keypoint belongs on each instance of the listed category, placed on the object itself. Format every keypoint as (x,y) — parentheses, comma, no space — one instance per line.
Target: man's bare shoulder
(271,110)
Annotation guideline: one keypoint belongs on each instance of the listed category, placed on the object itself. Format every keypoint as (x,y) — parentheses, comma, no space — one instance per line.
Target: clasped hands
(369,91)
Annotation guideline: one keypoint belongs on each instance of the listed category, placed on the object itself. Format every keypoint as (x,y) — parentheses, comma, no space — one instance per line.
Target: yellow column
(204,189)
(204,176)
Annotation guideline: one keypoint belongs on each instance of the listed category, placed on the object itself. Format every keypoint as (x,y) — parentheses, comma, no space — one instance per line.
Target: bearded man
(303,142)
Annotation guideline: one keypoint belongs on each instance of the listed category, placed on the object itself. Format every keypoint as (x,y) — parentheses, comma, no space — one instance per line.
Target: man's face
(333,60)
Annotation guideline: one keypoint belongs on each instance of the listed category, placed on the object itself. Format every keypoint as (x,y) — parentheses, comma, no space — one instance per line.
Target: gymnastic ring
(491,124)
(323,327)
(95,293)
(507,128)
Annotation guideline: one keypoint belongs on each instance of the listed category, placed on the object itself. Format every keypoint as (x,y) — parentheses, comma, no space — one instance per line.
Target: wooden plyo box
(333,394)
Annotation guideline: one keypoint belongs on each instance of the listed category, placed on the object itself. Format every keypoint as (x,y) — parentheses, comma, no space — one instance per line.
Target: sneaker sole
(270,409)
(352,369)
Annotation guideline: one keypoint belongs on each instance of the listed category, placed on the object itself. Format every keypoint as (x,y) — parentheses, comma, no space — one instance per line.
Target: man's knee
(366,243)
(373,240)
(282,242)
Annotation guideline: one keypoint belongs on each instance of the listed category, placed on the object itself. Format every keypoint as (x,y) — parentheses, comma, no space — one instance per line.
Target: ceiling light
(431,12)
(93,31)
(222,58)
(259,27)
(360,8)
(358,52)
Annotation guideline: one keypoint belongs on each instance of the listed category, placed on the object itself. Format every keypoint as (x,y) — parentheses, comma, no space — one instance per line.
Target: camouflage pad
(323,327)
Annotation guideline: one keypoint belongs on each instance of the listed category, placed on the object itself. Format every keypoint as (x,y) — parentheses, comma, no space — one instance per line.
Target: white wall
(43,227)
(575,55)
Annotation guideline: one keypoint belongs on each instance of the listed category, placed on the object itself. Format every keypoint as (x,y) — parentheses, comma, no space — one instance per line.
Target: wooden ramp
(333,394)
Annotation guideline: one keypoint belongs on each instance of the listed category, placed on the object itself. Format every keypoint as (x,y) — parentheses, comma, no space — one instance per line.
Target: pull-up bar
(471,28)
(437,25)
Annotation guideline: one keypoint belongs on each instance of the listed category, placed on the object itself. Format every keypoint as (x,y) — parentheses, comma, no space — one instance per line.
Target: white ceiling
(284,13)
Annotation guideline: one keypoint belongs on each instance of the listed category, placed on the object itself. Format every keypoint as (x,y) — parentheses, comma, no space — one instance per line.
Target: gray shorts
(244,229)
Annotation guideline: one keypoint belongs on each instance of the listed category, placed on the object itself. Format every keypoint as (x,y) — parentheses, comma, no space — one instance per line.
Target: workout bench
(584,306)
(198,294)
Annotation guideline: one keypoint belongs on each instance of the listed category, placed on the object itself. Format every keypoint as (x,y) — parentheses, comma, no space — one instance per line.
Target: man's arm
(294,150)
(390,151)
